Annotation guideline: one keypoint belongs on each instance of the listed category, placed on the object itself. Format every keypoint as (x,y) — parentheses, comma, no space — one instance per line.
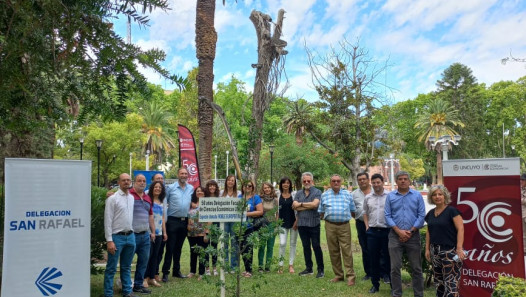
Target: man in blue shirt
(404,214)
(335,208)
(178,198)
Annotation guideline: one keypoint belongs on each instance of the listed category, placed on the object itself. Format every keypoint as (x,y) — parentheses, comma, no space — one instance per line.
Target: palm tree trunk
(205,40)
(439,168)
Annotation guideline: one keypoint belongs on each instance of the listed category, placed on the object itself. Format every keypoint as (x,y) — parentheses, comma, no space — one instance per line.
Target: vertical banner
(188,155)
(487,192)
(47,228)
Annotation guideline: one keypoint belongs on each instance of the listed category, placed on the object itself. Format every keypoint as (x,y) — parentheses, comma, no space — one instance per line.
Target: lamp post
(227,164)
(98,142)
(504,134)
(215,168)
(444,142)
(271,150)
(391,160)
(131,154)
(147,160)
(81,146)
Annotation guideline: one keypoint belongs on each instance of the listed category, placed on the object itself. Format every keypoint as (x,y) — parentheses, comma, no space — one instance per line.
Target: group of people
(140,222)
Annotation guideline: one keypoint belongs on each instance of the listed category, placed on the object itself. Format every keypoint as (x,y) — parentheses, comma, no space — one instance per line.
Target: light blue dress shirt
(405,211)
(178,200)
(336,208)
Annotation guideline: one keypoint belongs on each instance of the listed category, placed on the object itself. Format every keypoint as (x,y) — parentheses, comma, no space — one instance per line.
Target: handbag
(259,222)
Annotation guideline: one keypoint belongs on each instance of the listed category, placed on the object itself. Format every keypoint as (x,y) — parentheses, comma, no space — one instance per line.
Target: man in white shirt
(120,239)
(377,232)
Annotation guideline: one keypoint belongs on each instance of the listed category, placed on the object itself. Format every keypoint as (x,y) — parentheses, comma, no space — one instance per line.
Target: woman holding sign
(444,240)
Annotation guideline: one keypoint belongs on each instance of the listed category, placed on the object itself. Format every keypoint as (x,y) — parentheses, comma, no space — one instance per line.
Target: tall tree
(269,67)
(205,43)
(346,80)
(459,87)
(62,59)
(439,118)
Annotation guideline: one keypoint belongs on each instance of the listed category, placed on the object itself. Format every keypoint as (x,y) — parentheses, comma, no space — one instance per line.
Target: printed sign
(47,228)
(188,155)
(487,192)
(219,209)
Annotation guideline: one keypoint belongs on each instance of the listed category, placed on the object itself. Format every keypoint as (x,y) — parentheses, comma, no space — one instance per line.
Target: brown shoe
(154,283)
(157,278)
(351,282)
(336,279)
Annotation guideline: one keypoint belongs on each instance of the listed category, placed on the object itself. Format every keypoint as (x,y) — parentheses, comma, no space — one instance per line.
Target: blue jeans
(142,249)
(125,247)
(230,252)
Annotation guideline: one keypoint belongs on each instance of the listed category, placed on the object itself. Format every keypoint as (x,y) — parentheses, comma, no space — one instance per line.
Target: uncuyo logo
(44,284)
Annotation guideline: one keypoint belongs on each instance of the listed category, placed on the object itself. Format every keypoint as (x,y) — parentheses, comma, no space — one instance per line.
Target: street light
(227,163)
(215,168)
(271,150)
(444,141)
(147,160)
(81,146)
(98,142)
(131,154)
(392,160)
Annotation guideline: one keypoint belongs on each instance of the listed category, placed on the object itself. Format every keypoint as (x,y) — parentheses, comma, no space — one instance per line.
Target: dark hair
(246,183)
(163,190)
(225,190)
(363,173)
(282,181)
(194,195)
(377,175)
(207,191)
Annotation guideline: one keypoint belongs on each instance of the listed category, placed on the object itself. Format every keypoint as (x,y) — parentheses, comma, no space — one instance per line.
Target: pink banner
(487,192)
(188,155)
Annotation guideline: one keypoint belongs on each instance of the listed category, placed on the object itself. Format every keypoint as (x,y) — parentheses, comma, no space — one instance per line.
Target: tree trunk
(205,40)
(270,48)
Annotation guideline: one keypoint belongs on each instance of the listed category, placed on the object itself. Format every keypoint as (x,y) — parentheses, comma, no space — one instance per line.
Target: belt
(177,218)
(140,233)
(125,233)
(337,223)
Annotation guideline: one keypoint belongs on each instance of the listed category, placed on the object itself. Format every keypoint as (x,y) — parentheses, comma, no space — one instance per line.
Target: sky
(419,39)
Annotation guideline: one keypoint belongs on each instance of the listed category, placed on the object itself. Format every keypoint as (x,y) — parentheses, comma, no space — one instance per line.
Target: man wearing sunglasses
(306,204)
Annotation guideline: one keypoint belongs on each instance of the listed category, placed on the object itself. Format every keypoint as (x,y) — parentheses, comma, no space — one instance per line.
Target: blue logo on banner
(44,283)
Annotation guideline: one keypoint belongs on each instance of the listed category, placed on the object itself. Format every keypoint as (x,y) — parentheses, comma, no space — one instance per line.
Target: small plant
(509,287)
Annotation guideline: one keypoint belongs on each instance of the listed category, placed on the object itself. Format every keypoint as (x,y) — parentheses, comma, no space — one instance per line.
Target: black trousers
(311,236)
(153,261)
(362,239)
(194,254)
(177,231)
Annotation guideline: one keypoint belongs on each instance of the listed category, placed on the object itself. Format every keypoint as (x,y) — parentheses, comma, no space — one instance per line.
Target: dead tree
(269,68)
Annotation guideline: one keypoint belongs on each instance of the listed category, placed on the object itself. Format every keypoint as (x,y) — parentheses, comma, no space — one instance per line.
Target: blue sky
(419,37)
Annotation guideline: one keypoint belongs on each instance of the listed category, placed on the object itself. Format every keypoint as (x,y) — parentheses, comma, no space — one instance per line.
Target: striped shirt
(373,207)
(310,217)
(336,207)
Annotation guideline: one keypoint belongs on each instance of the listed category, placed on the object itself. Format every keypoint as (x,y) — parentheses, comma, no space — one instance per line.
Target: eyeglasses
(307,181)
(249,186)
(336,181)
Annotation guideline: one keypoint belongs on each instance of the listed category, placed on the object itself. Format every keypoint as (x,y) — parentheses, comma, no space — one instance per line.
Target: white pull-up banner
(47,228)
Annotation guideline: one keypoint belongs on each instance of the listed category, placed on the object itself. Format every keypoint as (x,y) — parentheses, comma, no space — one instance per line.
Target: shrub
(98,241)
(509,287)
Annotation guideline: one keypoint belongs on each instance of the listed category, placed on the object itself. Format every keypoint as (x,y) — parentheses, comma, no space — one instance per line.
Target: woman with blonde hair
(444,240)
(230,191)
(270,211)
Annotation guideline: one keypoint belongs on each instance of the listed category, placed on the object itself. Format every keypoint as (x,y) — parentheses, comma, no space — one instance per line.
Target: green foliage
(509,287)
(415,167)
(98,240)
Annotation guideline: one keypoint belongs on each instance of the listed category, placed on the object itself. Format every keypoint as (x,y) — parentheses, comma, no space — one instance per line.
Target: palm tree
(298,119)
(437,119)
(157,126)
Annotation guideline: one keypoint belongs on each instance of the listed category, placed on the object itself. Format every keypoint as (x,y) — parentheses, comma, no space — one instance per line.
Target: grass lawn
(273,284)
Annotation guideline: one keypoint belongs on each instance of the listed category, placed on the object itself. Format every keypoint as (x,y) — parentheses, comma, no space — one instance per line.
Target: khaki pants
(339,244)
